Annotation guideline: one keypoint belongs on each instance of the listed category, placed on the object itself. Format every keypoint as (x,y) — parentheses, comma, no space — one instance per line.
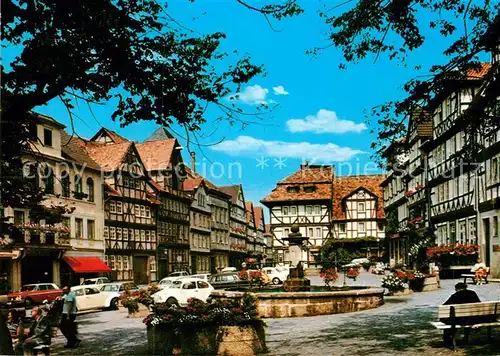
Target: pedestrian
(68,321)
(39,333)
(479,270)
(435,271)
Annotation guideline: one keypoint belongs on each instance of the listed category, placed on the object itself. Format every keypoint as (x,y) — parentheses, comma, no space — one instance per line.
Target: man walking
(68,323)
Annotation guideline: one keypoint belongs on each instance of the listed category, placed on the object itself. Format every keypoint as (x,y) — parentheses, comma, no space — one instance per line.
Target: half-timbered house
(130,208)
(358,210)
(251,230)
(304,198)
(238,226)
(260,226)
(163,161)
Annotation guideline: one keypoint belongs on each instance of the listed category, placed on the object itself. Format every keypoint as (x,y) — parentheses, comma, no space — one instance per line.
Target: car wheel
(114,304)
(28,303)
(276,280)
(172,301)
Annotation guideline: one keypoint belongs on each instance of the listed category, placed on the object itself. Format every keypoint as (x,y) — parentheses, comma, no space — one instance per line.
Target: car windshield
(110,288)
(88,281)
(27,288)
(166,281)
(176,284)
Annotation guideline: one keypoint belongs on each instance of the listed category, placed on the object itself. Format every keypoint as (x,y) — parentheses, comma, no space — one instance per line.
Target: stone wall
(299,304)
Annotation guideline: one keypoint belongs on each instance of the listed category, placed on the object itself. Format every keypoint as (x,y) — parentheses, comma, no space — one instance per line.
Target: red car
(32,294)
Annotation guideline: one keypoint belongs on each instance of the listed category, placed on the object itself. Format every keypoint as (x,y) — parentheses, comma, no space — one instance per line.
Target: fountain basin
(301,304)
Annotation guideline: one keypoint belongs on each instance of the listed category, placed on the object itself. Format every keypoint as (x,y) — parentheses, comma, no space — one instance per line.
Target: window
(143,235)
(65,184)
(380,226)
(119,233)
(309,209)
(112,263)
(131,234)
(342,227)
(18,217)
(310,189)
(495,169)
(317,210)
(152,264)
(293,210)
(292,189)
(90,189)
(148,212)
(453,232)
(285,210)
(143,211)
(125,263)
(78,228)
(47,137)
(361,227)
(48,178)
(78,186)
(112,207)
(119,265)
(318,232)
(66,221)
(495,226)
(361,207)
(286,232)
(201,200)
(105,232)
(119,207)
(91,229)
(112,233)
(137,210)
(147,235)
(310,232)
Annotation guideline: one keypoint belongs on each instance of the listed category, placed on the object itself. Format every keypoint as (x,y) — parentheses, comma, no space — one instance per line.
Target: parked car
(229,269)
(167,282)
(99,281)
(276,276)
(31,294)
(203,277)
(360,261)
(182,290)
(179,274)
(90,297)
(119,287)
(228,281)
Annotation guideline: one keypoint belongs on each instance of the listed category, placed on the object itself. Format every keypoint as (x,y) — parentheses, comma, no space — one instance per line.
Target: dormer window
(310,189)
(292,189)
(47,137)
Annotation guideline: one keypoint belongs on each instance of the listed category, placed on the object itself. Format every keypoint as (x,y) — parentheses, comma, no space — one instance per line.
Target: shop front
(77,268)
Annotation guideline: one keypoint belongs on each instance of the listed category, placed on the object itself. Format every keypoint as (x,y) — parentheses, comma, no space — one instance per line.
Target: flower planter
(205,340)
(406,291)
(430,284)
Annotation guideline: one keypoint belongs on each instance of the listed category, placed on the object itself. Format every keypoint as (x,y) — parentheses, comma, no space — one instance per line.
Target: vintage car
(276,276)
(96,282)
(228,281)
(31,294)
(182,290)
(90,297)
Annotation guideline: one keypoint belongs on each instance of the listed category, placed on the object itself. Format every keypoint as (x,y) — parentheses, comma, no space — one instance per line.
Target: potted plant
(393,284)
(329,276)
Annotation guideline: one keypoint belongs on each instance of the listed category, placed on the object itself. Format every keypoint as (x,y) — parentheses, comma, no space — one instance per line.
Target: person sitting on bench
(39,333)
(480,272)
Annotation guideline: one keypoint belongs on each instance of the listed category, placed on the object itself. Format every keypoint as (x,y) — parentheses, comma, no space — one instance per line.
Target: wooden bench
(472,276)
(457,317)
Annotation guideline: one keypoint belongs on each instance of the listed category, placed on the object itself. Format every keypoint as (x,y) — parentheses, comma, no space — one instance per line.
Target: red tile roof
(156,155)
(479,73)
(344,186)
(71,147)
(320,177)
(110,191)
(191,184)
(109,157)
(111,134)
(211,186)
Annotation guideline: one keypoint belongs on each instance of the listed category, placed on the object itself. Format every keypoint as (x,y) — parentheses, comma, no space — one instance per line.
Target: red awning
(83,264)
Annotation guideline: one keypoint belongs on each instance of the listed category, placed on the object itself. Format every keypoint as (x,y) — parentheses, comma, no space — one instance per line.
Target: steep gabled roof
(161,133)
(250,212)
(320,177)
(258,213)
(114,137)
(347,185)
(109,157)
(156,155)
(209,185)
(71,148)
(232,191)
(192,184)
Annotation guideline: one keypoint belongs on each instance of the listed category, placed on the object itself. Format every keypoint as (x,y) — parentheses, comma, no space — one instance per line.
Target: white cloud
(325,121)
(253,147)
(252,95)
(280,90)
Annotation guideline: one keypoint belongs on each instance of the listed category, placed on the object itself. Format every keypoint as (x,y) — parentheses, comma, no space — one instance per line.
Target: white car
(90,297)
(203,277)
(359,261)
(276,276)
(229,269)
(167,282)
(182,290)
(179,274)
(95,282)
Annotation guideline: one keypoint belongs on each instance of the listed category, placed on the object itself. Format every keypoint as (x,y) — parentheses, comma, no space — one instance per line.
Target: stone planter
(206,340)
(239,341)
(430,284)
(407,291)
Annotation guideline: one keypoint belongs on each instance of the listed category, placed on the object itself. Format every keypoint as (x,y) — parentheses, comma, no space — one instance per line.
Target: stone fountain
(296,281)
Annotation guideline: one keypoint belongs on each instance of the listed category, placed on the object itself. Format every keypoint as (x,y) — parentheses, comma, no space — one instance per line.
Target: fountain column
(296,281)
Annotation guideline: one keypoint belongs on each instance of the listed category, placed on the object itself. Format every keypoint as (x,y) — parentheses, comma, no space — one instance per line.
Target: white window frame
(112,207)
(361,224)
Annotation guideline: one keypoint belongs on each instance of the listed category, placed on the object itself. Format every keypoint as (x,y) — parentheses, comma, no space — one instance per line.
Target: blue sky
(321,115)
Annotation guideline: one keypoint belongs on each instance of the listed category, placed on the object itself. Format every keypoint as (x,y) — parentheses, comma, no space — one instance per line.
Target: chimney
(304,165)
(193,161)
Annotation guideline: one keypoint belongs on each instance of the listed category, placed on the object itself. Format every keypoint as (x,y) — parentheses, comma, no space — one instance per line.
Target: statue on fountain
(296,281)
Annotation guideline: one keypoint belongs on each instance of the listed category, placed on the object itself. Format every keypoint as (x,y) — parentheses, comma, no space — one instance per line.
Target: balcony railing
(403,225)
(447,165)
(219,246)
(416,196)
(446,124)
(454,204)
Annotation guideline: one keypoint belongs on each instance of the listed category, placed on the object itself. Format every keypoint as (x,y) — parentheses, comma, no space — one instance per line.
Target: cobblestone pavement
(400,327)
